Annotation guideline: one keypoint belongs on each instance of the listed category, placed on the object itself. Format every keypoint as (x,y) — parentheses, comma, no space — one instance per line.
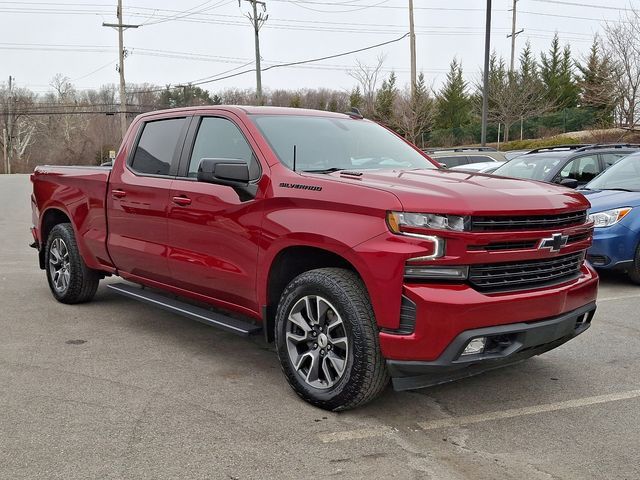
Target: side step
(184,309)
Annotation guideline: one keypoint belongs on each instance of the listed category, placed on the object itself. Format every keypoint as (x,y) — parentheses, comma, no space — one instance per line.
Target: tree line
(547,93)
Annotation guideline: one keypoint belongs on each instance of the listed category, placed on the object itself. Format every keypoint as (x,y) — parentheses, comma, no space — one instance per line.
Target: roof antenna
(294,158)
(355,113)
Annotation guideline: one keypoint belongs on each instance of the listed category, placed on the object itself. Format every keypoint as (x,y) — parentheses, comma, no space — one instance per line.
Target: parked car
(615,211)
(483,167)
(462,156)
(329,234)
(572,166)
(511,154)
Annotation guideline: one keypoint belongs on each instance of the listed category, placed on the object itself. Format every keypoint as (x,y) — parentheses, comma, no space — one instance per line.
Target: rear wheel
(327,340)
(70,280)
(634,271)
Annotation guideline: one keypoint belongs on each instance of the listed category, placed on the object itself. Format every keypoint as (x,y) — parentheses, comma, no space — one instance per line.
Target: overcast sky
(41,38)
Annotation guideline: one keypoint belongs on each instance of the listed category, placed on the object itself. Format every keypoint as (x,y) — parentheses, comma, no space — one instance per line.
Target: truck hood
(464,193)
(602,200)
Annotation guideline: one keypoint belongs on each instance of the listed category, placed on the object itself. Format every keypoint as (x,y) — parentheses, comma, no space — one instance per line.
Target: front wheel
(327,340)
(70,280)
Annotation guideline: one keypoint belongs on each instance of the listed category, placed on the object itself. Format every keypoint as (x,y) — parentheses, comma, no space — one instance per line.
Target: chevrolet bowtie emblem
(554,243)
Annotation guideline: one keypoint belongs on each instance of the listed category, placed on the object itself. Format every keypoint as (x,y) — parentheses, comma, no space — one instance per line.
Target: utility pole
(8,130)
(412,43)
(258,20)
(485,86)
(121,56)
(513,35)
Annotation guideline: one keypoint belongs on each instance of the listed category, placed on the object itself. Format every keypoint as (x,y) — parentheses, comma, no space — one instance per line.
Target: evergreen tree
(356,99)
(385,99)
(414,114)
(556,72)
(596,84)
(454,105)
(185,96)
(528,64)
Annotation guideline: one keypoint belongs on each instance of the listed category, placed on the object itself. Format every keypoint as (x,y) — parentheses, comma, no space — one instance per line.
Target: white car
(482,167)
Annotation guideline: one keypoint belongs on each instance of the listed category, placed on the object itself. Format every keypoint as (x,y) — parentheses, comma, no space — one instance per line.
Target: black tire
(82,282)
(634,271)
(364,374)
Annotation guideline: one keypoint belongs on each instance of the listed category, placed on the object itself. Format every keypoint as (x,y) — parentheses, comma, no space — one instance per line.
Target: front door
(213,231)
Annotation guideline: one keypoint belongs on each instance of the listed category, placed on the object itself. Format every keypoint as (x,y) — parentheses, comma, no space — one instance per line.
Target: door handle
(116,193)
(182,201)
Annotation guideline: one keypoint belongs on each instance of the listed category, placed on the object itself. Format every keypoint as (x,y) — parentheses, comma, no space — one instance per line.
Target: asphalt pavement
(116,389)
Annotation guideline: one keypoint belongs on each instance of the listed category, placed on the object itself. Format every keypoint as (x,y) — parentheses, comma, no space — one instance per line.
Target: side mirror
(443,165)
(569,182)
(228,171)
(224,171)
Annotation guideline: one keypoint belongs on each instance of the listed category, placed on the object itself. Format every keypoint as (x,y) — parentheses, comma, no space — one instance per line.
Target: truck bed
(79,192)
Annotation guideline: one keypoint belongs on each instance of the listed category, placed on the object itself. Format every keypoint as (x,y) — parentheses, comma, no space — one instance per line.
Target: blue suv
(615,210)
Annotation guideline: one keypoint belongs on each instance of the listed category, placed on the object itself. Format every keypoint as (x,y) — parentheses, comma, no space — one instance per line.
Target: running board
(224,322)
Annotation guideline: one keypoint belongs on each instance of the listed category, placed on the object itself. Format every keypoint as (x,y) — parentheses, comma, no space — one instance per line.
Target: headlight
(403,222)
(609,217)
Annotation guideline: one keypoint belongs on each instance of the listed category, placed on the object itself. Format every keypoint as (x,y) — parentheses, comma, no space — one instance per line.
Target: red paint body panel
(201,241)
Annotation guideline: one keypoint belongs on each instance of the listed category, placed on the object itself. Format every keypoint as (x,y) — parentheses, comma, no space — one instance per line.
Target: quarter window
(221,138)
(157,146)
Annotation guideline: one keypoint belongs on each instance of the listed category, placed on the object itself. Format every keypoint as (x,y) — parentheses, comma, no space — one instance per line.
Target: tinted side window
(157,146)
(221,138)
(452,161)
(582,169)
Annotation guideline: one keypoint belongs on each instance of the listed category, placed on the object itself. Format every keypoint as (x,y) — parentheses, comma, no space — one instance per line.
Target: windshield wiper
(326,170)
(619,189)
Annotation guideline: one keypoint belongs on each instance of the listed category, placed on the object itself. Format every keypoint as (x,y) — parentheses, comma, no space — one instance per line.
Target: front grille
(529,222)
(522,244)
(523,275)
(498,246)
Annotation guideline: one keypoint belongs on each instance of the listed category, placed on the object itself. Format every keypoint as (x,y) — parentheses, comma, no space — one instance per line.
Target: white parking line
(519,412)
(608,299)
(480,418)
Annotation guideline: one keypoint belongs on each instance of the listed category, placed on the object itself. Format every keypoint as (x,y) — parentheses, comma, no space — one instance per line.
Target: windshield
(624,175)
(328,144)
(531,167)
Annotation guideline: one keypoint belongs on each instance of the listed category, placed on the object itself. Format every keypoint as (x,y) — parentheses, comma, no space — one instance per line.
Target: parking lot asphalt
(117,389)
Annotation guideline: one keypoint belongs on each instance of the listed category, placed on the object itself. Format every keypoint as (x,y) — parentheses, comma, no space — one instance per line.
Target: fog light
(475,346)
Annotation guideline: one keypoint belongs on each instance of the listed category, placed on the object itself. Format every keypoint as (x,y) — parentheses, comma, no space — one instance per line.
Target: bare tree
(415,112)
(367,78)
(623,49)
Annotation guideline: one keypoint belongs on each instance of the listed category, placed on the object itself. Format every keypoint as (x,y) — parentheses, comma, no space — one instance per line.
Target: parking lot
(118,389)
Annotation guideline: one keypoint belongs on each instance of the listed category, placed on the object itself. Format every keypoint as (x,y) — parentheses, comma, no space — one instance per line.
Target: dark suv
(569,165)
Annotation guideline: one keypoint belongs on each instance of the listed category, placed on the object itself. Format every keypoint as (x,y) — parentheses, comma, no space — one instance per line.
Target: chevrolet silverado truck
(342,243)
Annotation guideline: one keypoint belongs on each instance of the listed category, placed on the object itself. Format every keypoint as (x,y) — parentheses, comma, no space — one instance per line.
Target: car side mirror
(228,171)
(443,165)
(569,182)
(223,171)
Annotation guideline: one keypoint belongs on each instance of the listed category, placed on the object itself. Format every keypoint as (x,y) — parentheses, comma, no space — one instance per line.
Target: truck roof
(250,110)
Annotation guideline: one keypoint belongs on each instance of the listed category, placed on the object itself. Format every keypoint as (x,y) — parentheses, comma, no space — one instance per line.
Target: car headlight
(414,223)
(609,217)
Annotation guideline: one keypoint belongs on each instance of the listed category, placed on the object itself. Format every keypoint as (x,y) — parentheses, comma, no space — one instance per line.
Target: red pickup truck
(344,244)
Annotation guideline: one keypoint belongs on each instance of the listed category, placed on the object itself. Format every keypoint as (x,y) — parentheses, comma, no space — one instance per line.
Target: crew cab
(342,243)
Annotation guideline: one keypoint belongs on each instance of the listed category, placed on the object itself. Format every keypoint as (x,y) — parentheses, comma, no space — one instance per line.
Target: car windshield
(324,144)
(531,167)
(624,175)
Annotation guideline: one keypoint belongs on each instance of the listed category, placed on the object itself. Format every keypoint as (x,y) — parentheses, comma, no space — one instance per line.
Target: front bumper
(613,247)
(518,342)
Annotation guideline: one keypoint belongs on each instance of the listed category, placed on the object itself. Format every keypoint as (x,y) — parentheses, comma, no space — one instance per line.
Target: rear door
(137,199)
(213,230)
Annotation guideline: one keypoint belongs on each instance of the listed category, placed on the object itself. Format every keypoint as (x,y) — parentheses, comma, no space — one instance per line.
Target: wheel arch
(287,264)
(50,218)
